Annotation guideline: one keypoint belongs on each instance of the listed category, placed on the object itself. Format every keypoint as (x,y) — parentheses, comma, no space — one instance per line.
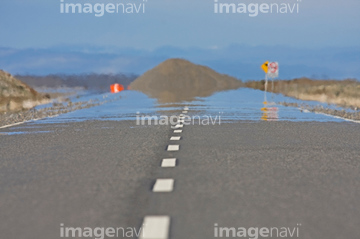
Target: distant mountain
(176,80)
(94,82)
(240,61)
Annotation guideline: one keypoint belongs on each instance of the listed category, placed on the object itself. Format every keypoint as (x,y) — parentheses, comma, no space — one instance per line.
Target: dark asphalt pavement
(241,174)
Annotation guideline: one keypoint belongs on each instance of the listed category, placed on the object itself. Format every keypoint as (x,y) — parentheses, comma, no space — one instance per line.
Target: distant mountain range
(237,60)
(93,81)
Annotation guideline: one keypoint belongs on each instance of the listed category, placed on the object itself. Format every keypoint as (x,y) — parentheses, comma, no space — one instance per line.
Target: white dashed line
(164,185)
(177,126)
(168,163)
(155,227)
(173,148)
(175,138)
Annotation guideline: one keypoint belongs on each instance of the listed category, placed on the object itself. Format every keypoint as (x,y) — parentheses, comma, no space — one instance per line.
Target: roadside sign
(273,69)
(264,66)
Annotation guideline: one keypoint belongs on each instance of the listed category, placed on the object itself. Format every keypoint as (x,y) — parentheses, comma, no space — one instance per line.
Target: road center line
(175,138)
(177,131)
(173,148)
(177,126)
(155,227)
(164,185)
(168,163)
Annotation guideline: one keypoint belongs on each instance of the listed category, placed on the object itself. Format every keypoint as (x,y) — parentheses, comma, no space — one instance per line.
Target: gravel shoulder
(61,106)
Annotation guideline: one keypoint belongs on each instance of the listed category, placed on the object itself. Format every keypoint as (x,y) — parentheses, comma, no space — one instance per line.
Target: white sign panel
(273,69)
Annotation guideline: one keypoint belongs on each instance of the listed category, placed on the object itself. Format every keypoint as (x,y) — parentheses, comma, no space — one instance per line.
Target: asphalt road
(241,174)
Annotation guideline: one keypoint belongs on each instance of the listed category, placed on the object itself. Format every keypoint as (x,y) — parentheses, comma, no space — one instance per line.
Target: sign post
(271,70)
(265,68)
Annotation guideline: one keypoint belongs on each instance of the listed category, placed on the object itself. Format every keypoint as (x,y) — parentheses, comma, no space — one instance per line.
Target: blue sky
(181,23)
(322,39)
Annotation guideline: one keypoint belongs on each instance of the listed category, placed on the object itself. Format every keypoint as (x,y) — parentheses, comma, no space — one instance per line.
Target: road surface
(302,175)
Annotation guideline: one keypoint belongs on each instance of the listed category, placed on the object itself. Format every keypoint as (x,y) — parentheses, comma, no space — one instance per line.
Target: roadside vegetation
(344,93)
(16,95)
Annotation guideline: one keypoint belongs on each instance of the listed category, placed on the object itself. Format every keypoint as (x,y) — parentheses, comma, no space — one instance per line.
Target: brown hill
(344,93)
(16,95)
(176,80)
